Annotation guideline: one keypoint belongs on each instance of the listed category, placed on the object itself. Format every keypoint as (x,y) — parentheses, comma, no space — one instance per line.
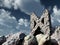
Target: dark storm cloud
(24,8)
(17,13)
(27,6)
(50,3)
(54,9)
(30,6)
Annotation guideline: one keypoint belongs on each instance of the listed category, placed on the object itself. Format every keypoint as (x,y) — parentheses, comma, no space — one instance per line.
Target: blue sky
(15,14)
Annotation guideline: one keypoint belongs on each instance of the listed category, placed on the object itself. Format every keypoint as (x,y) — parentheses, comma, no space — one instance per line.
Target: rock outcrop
(30,40)
(42,24)
(41,39)
(41,33)
(2,39)
(14,39)
(56,35)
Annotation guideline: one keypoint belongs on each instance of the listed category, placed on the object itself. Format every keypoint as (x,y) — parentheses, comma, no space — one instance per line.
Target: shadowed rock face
(38,31)
(51,42)
(2,40)
(34,42)
(21,36)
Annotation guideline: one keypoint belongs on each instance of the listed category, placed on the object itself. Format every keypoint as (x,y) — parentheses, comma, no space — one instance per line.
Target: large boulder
(30,40)
(21,39)
(41,39)
(51,42)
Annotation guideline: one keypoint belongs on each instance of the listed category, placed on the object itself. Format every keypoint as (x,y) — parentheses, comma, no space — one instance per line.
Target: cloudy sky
(15,14)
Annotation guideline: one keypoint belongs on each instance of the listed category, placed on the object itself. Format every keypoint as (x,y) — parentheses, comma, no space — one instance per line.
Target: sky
(15,14)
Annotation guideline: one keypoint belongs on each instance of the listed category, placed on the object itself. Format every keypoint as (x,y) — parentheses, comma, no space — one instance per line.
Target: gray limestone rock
(14,39)
(40,33)
(41,39)
(30,40)
(42,24)
(56,35)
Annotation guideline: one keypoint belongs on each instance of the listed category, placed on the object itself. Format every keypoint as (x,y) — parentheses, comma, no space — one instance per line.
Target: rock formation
(14,39)
(41,39)
(2,39)
(56,35)
(42,24)
(41,33)
(30,40)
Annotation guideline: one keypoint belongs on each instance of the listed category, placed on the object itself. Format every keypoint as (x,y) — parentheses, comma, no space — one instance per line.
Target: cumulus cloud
(55,16)
(27,6)
(23,25)
(9,24)
(10,3)
(23,22)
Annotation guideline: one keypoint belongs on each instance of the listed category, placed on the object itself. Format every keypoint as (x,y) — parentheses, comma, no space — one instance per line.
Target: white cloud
(23,25)
(56,11)
(9,24)
(27,6)
(52,19)
(7,3)
(55,16)
(17,4)
(11,3)
(21,21)
(24,22)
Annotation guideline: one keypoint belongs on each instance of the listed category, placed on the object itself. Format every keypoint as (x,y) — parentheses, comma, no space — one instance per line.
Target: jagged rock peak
(42,24)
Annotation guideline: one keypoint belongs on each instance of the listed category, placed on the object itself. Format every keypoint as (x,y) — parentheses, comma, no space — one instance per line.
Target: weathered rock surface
(41,34)
(30,40)
(41,39)
(13,39)
(56,35)
(42,24)
(2,39)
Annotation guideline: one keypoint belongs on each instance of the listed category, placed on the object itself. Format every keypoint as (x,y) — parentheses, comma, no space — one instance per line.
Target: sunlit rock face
(41,33)
(30,40)
(56,35)
(41,39)
(14,39)
(42,24)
